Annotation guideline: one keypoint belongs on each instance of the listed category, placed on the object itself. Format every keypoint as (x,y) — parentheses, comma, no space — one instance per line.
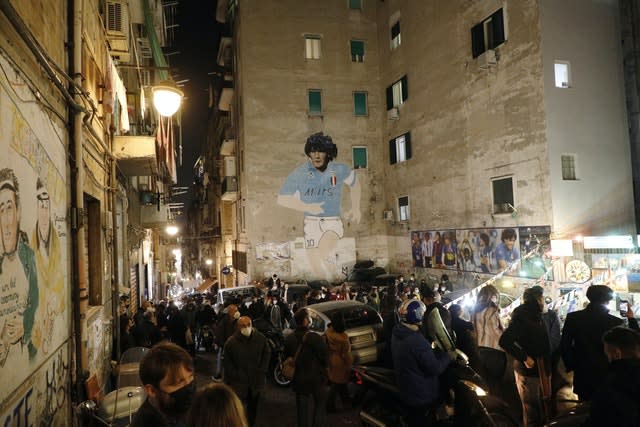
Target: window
(312,46)
(397,93)
(359,157)
(315,101)
(488,34)
(357,51)
(568,167)
(403,208)
(561,71)
(355,4)
(360,104)
(502,195)
(395,35)
(400,148)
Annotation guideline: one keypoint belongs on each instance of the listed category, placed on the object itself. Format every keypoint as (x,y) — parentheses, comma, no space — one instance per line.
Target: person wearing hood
(416,366)
(581,344)
(340,362)
(527,340)
(246,360)
(617,401)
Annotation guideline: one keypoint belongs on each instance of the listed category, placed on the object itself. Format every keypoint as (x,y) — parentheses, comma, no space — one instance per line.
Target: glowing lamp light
(171,230)
(208,261)
(167,98)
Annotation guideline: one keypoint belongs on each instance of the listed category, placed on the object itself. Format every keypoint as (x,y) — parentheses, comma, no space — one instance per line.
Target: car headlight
(479,391)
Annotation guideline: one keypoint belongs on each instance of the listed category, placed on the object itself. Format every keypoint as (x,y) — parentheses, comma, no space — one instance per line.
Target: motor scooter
(464,399)
(117,407)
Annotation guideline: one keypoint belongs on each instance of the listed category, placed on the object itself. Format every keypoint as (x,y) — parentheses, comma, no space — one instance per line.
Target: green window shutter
(359,157)
(360,103)
(392,152)
(355,4)
(357,50)
(315,101)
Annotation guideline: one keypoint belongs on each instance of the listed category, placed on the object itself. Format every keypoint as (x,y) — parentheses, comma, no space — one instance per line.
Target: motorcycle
(276,342)
(464,398)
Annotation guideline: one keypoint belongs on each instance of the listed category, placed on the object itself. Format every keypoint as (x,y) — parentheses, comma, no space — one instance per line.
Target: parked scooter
(117,407)
(464,400)
(276,342)
(205,338)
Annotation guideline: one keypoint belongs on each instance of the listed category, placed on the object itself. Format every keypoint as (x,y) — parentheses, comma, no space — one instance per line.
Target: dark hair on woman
(216,405)
(485,238)
(337,322)
(300,315)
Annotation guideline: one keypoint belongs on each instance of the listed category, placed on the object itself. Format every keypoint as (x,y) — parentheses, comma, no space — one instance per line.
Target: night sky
(197,40)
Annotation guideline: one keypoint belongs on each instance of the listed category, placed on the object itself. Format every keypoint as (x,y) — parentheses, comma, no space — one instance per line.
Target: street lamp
(171,230)
(167,98)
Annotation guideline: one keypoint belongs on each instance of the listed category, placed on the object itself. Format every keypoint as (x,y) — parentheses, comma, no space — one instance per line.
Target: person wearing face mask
(488,327)
(167,374)
(246,360)
(616,402)
(225,328)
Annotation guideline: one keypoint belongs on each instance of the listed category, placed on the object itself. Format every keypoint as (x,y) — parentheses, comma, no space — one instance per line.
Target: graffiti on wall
(315,188)
(486,250)
(33,298)
(43,397)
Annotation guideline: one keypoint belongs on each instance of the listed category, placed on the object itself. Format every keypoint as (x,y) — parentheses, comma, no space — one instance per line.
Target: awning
(207,284)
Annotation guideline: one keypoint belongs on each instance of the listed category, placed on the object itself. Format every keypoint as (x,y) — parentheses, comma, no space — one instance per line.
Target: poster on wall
(34,306)
(481,250)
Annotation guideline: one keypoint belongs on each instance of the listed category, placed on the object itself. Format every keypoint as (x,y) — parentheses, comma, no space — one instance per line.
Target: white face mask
(236,315)
(246,331)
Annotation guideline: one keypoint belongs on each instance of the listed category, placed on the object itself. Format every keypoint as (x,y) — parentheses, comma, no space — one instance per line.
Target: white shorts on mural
(316,226)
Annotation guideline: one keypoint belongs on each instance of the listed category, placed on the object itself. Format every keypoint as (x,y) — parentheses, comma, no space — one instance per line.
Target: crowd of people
(602,354)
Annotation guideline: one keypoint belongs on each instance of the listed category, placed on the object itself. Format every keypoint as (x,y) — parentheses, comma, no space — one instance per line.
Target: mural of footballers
(18,277)
(46,244)
(315,188)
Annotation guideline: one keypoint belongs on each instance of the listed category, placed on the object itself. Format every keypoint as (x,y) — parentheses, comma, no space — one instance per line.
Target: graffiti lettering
(19,417)
(56,391)
(316,192)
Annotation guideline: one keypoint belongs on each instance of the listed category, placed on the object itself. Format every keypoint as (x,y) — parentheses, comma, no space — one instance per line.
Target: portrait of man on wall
(18,277)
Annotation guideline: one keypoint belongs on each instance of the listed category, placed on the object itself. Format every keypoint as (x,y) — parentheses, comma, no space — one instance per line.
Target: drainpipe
(80,284)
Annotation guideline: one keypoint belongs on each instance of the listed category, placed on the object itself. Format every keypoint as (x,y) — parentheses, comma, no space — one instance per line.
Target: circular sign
(578,271)
(226,270)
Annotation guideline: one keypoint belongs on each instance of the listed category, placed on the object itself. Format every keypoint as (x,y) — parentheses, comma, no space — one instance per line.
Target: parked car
(238,295)
(363,326)
(318,284)
(363,273)
(295,291)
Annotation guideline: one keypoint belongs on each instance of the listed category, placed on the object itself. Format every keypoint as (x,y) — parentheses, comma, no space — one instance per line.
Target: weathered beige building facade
(479,116)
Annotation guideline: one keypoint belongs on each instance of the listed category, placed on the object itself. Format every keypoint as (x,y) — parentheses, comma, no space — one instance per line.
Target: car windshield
(356,316)
(237,296)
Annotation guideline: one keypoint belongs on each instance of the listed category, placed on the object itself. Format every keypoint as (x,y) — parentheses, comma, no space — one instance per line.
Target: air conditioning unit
(393,114)
(388,215)
(487,59)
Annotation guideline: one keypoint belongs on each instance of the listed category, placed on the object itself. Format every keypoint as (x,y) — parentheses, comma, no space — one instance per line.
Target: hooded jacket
(416,366)
(340,357)
(527,336)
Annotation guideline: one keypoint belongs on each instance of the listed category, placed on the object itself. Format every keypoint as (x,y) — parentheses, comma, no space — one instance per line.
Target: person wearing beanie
(581,345)
(527,340)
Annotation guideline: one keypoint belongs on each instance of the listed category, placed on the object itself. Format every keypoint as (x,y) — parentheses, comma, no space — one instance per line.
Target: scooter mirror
(438,333)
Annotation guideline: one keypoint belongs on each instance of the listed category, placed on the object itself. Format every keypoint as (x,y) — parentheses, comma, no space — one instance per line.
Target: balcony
(136,155)
(229,188)
(226,93)
(228,147)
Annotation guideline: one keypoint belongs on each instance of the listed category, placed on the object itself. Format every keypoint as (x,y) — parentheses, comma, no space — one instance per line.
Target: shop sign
(608,242)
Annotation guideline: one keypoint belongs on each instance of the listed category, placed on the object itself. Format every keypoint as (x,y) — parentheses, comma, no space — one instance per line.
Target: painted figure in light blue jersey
(315,188)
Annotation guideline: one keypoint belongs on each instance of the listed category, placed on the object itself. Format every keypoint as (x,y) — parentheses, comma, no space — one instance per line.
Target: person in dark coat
(617,401)
(146,333)
(246,360)
(465,337)
(310,378)
(224,329)
(527,340)
(416,366)
(581,345)
(167,374)
(431,300)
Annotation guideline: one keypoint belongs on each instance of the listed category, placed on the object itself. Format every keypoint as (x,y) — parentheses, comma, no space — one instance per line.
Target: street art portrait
(34,314)
(488,250)
(315,188)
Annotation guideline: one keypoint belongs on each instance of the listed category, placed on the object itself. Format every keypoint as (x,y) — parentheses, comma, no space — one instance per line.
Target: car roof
(333,305)
(237,288)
